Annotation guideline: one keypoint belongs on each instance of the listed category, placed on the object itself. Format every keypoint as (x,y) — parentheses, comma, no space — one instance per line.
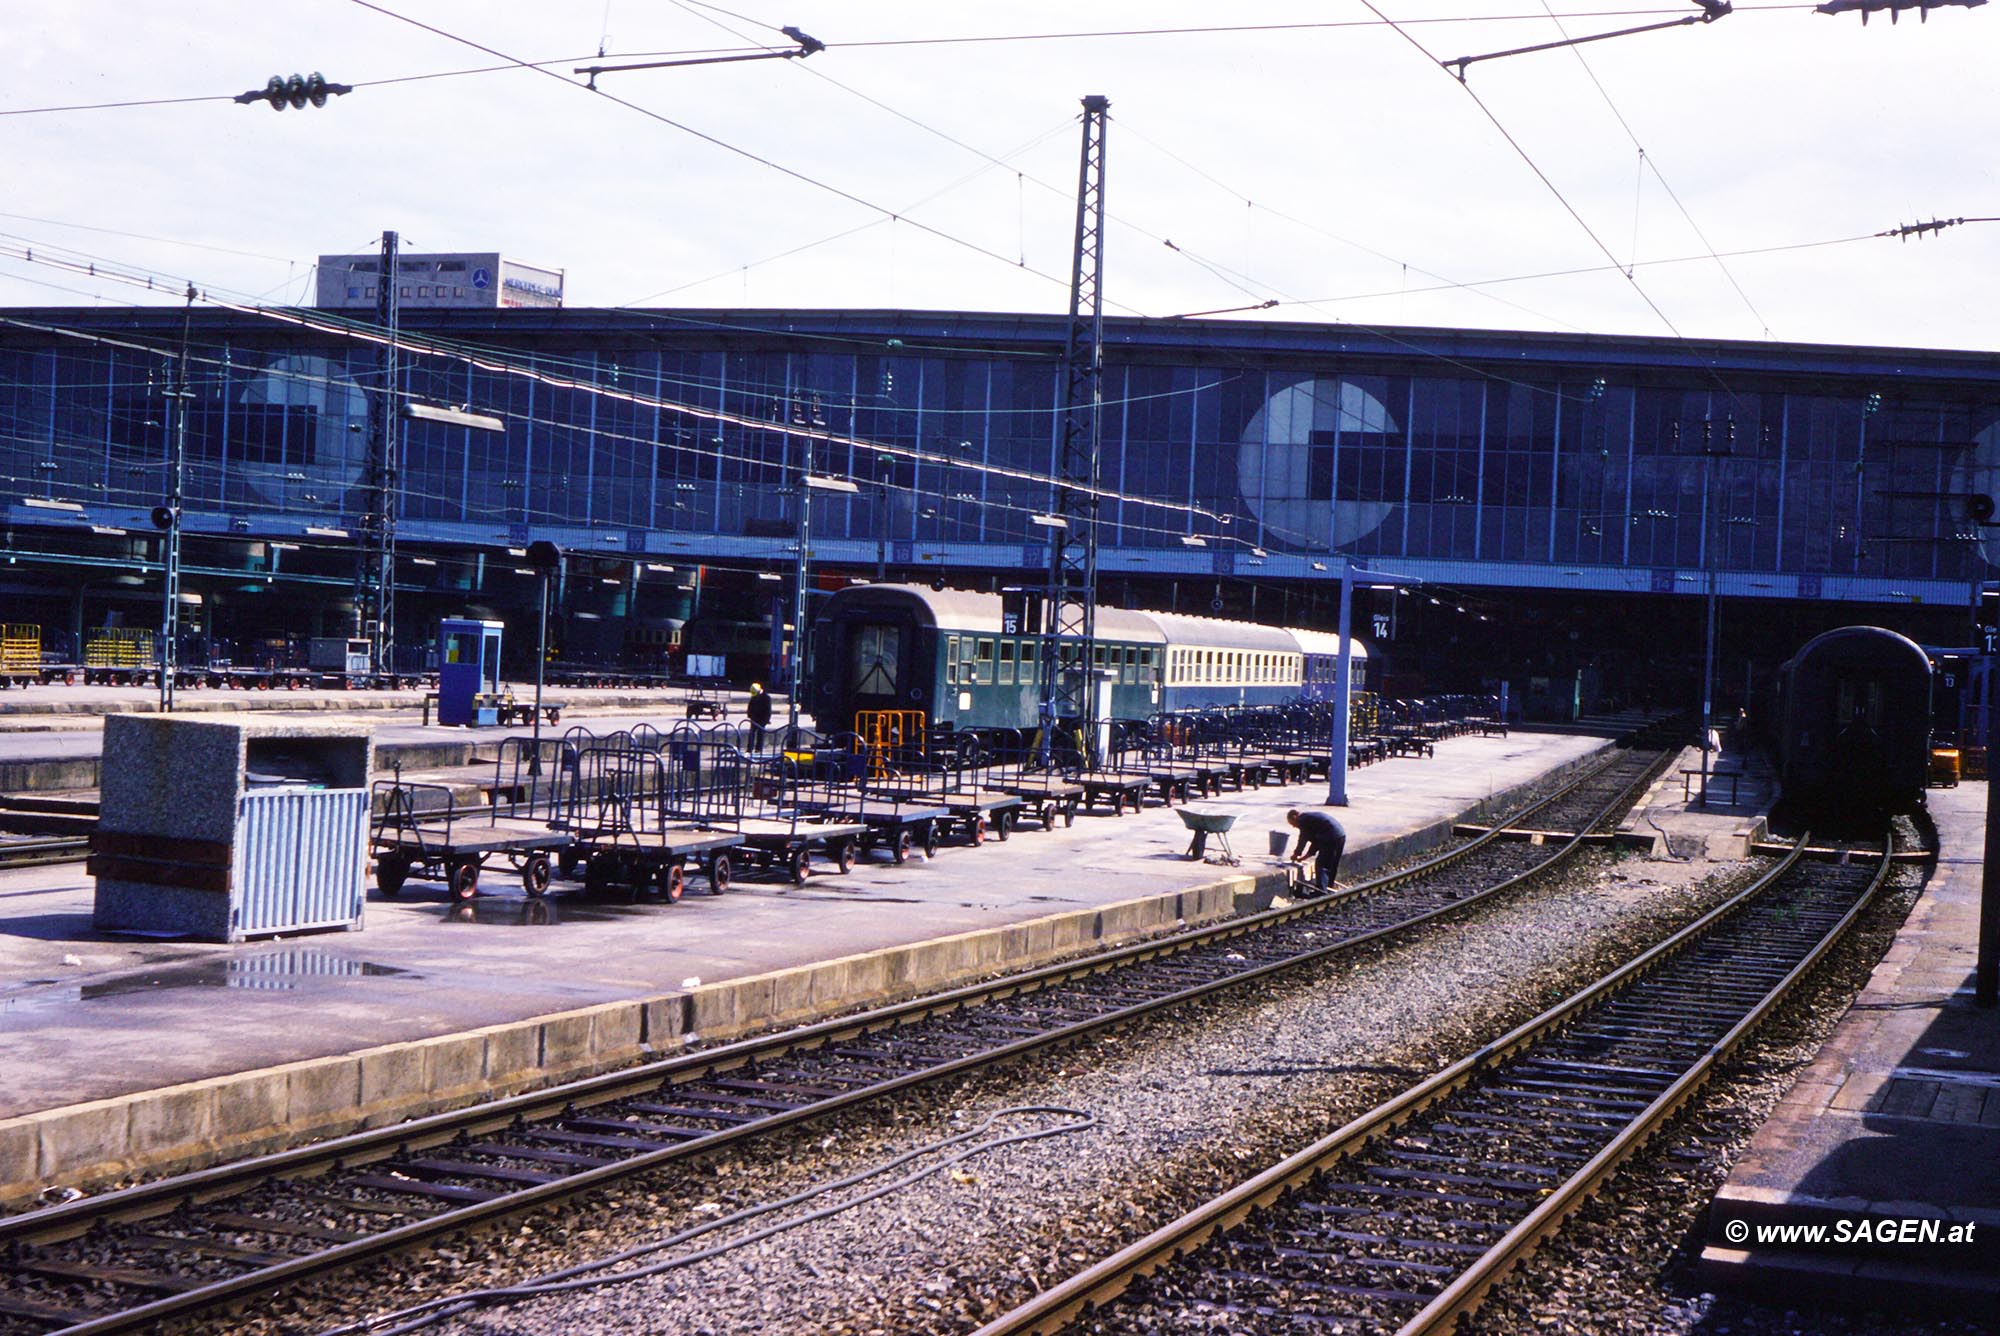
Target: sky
(1332,165)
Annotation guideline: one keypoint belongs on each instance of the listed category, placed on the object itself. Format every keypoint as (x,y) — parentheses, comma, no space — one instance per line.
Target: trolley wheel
(718,874)
(799,864)
(672,883)
(845,855)
(930,839)
(391,871)
(1069,814)
(566,861)
(292,684)
(1003,825)
(465,879)
(900,849)
(69,679)
(535,874)
(975,829)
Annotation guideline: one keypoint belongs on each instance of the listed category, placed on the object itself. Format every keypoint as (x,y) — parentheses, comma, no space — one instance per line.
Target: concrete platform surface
(1897,1120)
(148,1052)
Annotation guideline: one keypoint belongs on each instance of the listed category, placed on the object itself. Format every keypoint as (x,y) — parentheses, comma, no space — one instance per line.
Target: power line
(1653,165)
(762,161)
(1532,166)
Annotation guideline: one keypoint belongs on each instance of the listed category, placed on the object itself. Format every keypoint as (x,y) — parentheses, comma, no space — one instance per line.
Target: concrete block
(513,1052)
(792,992)
(454,1063)
(665,1017)
(322,1091)
(615,1031)
(78,1141)
(714,1010)
(829,986)
(393,1076)
(20,1158)
(868,977)
(250,1104)
(179,1120)
(565,1041)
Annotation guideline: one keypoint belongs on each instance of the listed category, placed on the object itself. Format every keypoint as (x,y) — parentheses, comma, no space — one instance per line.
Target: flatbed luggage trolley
(979,805)
(895,818)
(621,809)
(420,831)
(1044,794)
(757,797)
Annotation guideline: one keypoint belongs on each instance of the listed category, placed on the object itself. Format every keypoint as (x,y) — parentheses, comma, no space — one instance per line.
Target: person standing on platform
(1324,838)
(758,712)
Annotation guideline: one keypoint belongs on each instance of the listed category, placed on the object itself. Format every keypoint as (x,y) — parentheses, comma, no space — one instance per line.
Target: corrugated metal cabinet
(227,829)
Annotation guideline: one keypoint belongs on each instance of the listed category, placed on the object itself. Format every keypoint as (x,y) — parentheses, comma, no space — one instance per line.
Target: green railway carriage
(955,655)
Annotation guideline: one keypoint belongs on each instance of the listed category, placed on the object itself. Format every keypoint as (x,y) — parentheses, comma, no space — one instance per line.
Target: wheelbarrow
(1205,824)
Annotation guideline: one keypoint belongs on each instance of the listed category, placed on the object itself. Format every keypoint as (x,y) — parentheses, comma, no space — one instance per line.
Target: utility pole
(375,565)
(1069,606)
(168,517)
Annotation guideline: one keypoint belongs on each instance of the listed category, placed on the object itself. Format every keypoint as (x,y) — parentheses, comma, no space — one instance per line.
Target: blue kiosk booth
(468,671)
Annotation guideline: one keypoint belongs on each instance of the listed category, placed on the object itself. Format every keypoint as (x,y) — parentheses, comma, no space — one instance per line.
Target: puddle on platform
(510,913)
(275,971)
(293,969)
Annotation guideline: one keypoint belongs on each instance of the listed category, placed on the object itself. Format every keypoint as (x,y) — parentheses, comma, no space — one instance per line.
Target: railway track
(1404,1219)
(136,1257)
(35,852)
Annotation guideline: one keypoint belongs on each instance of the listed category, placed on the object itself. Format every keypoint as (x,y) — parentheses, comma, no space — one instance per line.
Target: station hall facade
(1548,483)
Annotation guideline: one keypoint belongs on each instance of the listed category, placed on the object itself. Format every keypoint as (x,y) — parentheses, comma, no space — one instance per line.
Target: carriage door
(875,656)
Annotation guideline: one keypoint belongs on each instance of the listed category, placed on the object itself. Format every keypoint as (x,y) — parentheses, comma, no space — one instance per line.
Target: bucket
(1281,840)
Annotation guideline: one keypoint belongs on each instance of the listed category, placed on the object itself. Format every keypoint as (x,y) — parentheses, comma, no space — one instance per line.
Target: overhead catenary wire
(792,173)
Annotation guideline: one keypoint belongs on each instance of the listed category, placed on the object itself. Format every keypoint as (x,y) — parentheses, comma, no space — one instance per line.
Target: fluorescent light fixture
(820,484)
(517,551)
(605,579)
(526,570)
(110,529)
(420,561)
(285,547)
(656,566)
(38,503)
(1259,552)
(1319,565)
(1381,586)
(1049,521)
(325,533)
(1189,540)
(766,575)
(453,417)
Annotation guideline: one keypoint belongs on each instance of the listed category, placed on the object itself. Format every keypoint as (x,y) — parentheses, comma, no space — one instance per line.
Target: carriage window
(951,660)
(1006,663)
(982,666)
(1131,664)
(874,652)
(1028,653)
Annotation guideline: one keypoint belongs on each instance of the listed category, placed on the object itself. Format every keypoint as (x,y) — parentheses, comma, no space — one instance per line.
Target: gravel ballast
(1184,1106)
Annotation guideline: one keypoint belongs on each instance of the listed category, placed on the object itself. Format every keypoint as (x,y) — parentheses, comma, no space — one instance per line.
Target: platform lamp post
(812,483)
(1343,680)
(544,558)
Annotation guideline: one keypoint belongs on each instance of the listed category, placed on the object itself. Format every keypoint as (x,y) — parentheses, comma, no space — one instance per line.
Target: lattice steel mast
(1069,603)
(375,566)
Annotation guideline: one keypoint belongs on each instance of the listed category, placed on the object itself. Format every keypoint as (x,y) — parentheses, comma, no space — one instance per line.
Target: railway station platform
(1897,1120)
(125,1054)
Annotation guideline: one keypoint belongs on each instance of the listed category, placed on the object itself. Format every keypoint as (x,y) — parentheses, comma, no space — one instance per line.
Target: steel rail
(53,1224)
(37,853)
(1054,1308)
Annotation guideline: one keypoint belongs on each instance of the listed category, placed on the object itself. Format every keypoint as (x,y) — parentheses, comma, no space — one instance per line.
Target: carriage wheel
(535,874)
(799,864)
(566,861)
(718,874)
(465,879)
(900,850)
(391,872)
(930,839)
(845,855)
(673,883)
